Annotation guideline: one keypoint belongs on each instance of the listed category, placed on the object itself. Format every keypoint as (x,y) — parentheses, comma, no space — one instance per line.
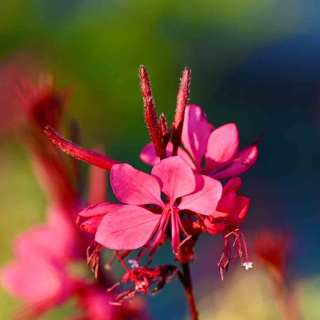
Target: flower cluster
(181,199)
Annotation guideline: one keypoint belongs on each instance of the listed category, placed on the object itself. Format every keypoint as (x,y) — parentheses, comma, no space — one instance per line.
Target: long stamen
(238,242)
(123,264)
(245,246)
(155,243)
(160,229)
(124,254)
(181,225)
(88,156)
(175,232)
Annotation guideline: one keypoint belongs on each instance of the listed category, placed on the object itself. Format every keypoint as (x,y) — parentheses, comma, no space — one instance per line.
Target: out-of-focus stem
(285,299)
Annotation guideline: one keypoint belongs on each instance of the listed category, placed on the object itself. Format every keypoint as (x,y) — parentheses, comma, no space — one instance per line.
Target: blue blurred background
(256,63)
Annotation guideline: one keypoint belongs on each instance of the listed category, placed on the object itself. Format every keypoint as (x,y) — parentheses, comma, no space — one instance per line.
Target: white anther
(248,265)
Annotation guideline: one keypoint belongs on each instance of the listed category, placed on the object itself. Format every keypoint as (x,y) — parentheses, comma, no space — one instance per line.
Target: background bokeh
(256,63)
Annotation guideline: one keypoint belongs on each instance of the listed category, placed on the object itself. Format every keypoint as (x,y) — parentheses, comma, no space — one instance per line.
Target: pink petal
(233,184)
(91,225)
(175,177)
(89,219)
(205,198)
(97,304)
(243,161)
(132,186)
(44,242)
(56,240)
(18,279)
(223,145)
(33,241)
(223,216)
(241,207)
(214,227)
(238,212)
(61,225)
(127,228)
(98,209)
(195,133)
(227,203)
(148,155)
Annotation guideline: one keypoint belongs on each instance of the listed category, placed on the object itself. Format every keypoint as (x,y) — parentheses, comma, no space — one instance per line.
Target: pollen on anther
(248,265)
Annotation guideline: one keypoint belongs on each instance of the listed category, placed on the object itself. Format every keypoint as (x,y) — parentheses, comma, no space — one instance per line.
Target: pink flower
(95,302)
(144,220)
(218,147)
(57,239)
(227,219)
(39,275)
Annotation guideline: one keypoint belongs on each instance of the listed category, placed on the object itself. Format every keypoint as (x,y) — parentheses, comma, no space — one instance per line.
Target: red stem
(88,156)
(258,140)
(186,281)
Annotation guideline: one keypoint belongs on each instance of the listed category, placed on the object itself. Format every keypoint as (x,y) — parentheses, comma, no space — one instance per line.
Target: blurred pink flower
(219,147)
(95,303)
(28,95)
(273,249)
(41,103)
(39,275)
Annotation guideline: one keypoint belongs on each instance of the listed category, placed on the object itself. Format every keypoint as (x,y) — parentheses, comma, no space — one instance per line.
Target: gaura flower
(227,219)
(39,276)
(95,303)
(145,217)
(219,147)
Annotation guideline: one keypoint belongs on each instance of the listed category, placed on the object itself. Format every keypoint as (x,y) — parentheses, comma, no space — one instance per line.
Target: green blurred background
(254,62)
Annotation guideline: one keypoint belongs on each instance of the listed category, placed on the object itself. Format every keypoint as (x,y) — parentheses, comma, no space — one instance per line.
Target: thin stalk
(186,281)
